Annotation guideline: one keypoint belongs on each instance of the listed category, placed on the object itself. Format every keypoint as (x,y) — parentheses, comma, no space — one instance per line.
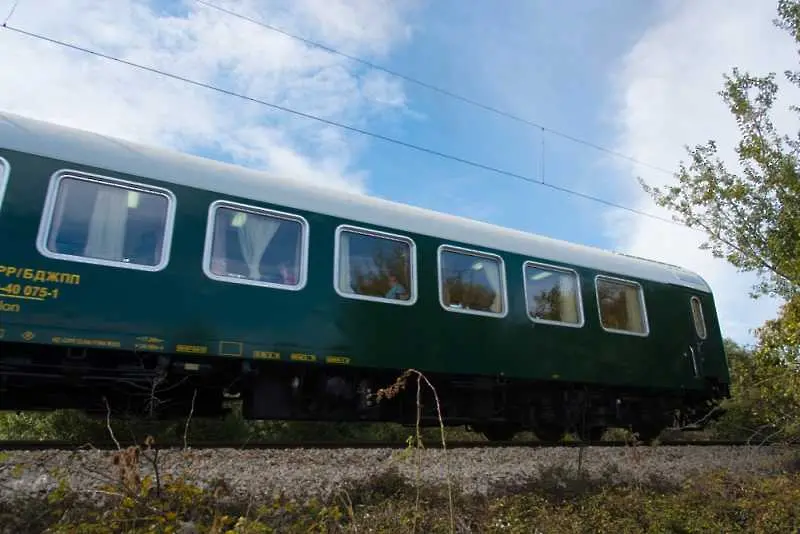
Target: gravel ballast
(305,473)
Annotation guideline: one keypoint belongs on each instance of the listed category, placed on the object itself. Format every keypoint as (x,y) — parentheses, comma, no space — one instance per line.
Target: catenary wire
(420,148)
(11,12)
(434,88)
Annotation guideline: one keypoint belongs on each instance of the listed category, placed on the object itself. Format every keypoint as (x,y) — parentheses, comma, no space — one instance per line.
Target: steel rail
(31,445)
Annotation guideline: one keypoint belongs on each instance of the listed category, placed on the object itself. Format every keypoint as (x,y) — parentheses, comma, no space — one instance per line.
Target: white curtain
(58,215)
(107,226)
(493,276)
(634,320)
(568,293)
(344,264)
(254,237)
(219,251)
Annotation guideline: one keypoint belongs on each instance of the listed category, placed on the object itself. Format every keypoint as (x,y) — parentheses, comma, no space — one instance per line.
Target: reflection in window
(256,246)
(471,282)
(374,265)
(697,316)
(4,172)
(621,306)
(552,294)
(108,222)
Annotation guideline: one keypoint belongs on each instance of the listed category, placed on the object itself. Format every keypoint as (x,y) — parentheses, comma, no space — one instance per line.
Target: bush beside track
(637,489)
(562,498)
(139,494)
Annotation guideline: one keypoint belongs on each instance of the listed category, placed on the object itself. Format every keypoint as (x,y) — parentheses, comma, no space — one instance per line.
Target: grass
(560,499)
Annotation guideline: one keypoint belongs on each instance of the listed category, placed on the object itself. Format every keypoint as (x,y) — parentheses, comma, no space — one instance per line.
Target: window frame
(556,268)
(642,303)
(208,244)
(46,219)
(704,335)
(380,234)
(481,254)
(5,176)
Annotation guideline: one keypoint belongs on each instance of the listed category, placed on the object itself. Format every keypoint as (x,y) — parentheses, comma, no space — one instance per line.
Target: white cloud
(668,86)
(49,82)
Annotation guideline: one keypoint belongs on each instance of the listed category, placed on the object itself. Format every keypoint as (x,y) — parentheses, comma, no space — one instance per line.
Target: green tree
(747,414)
(752,219)
(777,363)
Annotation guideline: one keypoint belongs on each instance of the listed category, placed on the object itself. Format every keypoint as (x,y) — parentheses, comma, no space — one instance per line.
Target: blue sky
(637,77)
(549,66)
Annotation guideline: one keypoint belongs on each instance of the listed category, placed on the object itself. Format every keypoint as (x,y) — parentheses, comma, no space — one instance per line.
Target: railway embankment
(492,489)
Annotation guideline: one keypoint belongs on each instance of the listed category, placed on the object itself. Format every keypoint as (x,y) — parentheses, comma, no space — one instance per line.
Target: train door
(697,336)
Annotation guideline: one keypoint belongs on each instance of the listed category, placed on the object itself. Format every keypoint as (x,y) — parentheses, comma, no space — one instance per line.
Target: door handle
(694,362)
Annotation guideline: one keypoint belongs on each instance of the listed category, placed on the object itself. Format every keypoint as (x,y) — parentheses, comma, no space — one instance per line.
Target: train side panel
(179,309)
(174,308)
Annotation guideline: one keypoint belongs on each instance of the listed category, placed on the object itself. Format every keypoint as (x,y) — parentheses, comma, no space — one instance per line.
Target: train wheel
(549,433)
(499,432)
(592,434)
(647,434)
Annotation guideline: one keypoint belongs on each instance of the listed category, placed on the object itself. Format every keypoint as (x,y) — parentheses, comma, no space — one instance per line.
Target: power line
(443,155)
(11,13)
(434,88)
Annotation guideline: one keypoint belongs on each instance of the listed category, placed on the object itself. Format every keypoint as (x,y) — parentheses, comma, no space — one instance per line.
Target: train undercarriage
(163,386)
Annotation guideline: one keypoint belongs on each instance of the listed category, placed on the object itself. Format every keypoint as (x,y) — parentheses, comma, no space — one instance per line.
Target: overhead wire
(432,87)
(11,12)
(337,124)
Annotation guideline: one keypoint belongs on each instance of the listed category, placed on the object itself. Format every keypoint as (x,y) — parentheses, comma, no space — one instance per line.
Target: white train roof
(86,148)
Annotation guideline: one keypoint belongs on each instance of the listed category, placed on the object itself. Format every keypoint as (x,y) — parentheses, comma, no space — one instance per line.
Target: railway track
(24,445)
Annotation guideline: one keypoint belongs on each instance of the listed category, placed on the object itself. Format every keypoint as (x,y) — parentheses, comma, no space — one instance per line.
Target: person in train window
(287,275)
(396,289)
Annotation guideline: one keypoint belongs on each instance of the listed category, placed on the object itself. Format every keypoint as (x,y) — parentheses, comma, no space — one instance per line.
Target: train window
(621,305)
(378,266)
(471,282)
(105,221)
(5,170)
(699,319)
(255,246)
(553,295)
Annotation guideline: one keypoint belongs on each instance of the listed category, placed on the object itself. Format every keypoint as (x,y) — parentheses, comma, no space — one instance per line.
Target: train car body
(127,270)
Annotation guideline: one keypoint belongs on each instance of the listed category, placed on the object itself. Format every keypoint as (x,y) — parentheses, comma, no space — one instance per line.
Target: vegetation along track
(20,445)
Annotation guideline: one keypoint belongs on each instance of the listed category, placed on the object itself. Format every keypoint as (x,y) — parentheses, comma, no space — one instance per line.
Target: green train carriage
(124,267)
